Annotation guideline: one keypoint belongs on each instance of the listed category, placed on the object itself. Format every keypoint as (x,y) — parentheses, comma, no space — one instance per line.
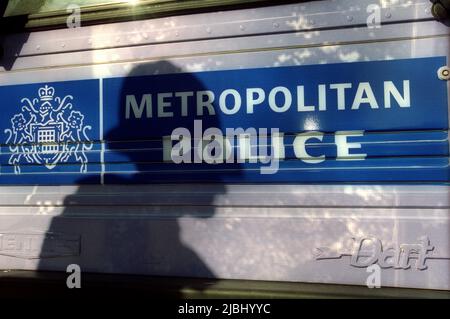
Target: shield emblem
(45,133)
(48,149)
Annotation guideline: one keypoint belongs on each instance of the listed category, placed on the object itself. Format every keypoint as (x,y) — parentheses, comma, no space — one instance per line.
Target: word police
(213,146)
(279,99)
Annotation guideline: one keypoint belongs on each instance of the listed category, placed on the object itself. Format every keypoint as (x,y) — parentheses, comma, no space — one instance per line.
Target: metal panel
(270,232)
(308,18)
(390,42)
(382,196)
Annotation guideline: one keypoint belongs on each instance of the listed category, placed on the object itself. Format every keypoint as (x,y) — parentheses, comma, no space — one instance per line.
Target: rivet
(444,73)
(242,27)
(208,30)
(38,47)
(388,15)
(349,18)
(276,25)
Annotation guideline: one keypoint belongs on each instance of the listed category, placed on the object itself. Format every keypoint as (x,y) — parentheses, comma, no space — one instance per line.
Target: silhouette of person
(145,237)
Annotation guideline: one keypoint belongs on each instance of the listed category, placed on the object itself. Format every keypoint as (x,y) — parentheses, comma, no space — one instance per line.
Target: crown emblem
(46,134)
(46,93)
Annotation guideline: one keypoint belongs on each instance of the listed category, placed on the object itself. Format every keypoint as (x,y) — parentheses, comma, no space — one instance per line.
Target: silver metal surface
(266,232)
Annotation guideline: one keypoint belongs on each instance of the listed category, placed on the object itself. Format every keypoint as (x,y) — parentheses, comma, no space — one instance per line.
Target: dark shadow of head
(134,224)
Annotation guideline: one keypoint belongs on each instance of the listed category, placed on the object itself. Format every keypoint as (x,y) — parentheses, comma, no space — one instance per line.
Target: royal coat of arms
(48,131)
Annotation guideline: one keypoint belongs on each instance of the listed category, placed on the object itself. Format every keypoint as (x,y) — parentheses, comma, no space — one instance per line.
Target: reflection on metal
(246,231)
(53,14)
(367,251)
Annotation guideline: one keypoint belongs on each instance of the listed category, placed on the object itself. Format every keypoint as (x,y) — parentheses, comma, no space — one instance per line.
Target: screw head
(444,73)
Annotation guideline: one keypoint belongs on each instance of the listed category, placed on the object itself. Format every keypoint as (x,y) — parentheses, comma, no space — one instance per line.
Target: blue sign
(369,96)
(382,121)
(49,133)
